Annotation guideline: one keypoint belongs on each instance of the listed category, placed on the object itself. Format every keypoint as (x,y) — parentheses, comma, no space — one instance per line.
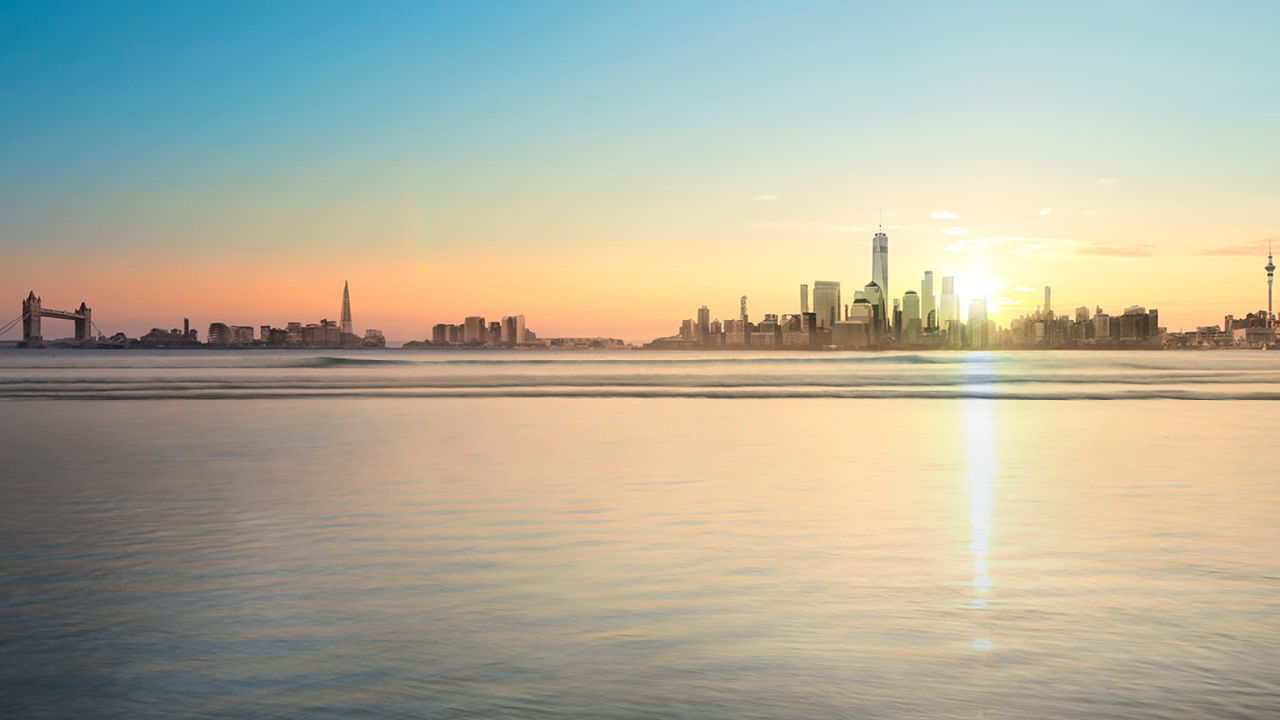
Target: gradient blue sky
(607,168)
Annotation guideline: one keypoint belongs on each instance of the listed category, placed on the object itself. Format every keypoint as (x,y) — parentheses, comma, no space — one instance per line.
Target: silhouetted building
(927,301)
(159,337)
(474,330)
(513,331)
(1101,326)
(219,334)
(332,335)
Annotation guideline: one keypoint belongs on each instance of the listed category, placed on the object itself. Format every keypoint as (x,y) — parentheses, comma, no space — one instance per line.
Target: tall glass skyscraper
(949,312)
(826,302)
(880,262)
(927,303)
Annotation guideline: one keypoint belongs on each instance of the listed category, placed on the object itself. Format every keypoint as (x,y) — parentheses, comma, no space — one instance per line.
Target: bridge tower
(31,320)
(84,324)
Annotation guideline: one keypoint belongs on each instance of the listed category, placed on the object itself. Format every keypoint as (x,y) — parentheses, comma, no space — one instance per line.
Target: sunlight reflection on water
(324,557)
(979,454)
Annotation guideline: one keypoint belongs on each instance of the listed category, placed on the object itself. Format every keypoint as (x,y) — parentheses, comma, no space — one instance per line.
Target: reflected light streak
(979,427)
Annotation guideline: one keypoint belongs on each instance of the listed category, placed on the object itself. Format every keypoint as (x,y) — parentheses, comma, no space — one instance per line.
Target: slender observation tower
(344,325)
(1271,271)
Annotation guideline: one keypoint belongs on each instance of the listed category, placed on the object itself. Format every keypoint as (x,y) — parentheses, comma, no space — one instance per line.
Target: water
(639,535)
(105,374)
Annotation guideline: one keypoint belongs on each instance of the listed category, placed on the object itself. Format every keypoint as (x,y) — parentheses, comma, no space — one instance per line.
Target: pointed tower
(344,325)
(1271,270)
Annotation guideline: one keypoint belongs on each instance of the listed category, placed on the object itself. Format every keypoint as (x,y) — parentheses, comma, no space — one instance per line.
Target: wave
(320,382)
(651,393)
(196,359)
(281,374)
(34,360)
(330,362)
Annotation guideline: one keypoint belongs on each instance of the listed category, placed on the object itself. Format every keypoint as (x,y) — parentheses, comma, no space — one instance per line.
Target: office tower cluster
(160,338)
(475,332)
(324,334)
(1135,327)
(510,332)
(873,319)
(934,318)
(1256,329)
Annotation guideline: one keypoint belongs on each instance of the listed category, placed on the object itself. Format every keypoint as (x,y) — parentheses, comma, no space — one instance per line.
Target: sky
(607,168)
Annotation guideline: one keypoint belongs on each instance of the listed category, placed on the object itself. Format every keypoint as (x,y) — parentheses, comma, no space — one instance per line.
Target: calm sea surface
(639,535)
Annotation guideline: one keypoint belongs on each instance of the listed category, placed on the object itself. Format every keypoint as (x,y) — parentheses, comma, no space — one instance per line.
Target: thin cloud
(1117,250)
(1253,247)
(1024,288)
(1026,245)
(942,214)
(1090,213)
(1107,181)
(1046,211)
(811,227)
(1021,245)
(956,231)
(1002,301)
(765,197)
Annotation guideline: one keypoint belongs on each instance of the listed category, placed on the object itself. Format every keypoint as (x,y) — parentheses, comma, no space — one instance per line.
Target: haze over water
(257,534)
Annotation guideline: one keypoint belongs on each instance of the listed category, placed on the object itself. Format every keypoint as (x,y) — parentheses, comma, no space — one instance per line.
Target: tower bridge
(33,312)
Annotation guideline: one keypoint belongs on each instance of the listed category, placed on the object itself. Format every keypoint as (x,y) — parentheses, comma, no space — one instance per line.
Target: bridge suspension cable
(9,327)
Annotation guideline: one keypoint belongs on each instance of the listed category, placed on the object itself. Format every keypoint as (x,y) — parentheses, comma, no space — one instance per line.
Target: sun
(976,282)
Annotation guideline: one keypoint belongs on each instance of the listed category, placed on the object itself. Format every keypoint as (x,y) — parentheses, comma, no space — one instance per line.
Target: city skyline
(923,321)
(605,169)
(872,321)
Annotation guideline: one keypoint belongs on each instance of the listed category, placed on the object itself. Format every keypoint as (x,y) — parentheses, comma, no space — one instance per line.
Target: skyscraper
(910,306)
(826,302)
(474,330)
(344,323)
(927,304)
(875,295)
(978,310)
(880,262)
(804,298)
(949,312)
(978,322)
(511,330)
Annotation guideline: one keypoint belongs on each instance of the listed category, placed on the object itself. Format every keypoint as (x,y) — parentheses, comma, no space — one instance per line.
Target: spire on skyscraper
(344,325)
